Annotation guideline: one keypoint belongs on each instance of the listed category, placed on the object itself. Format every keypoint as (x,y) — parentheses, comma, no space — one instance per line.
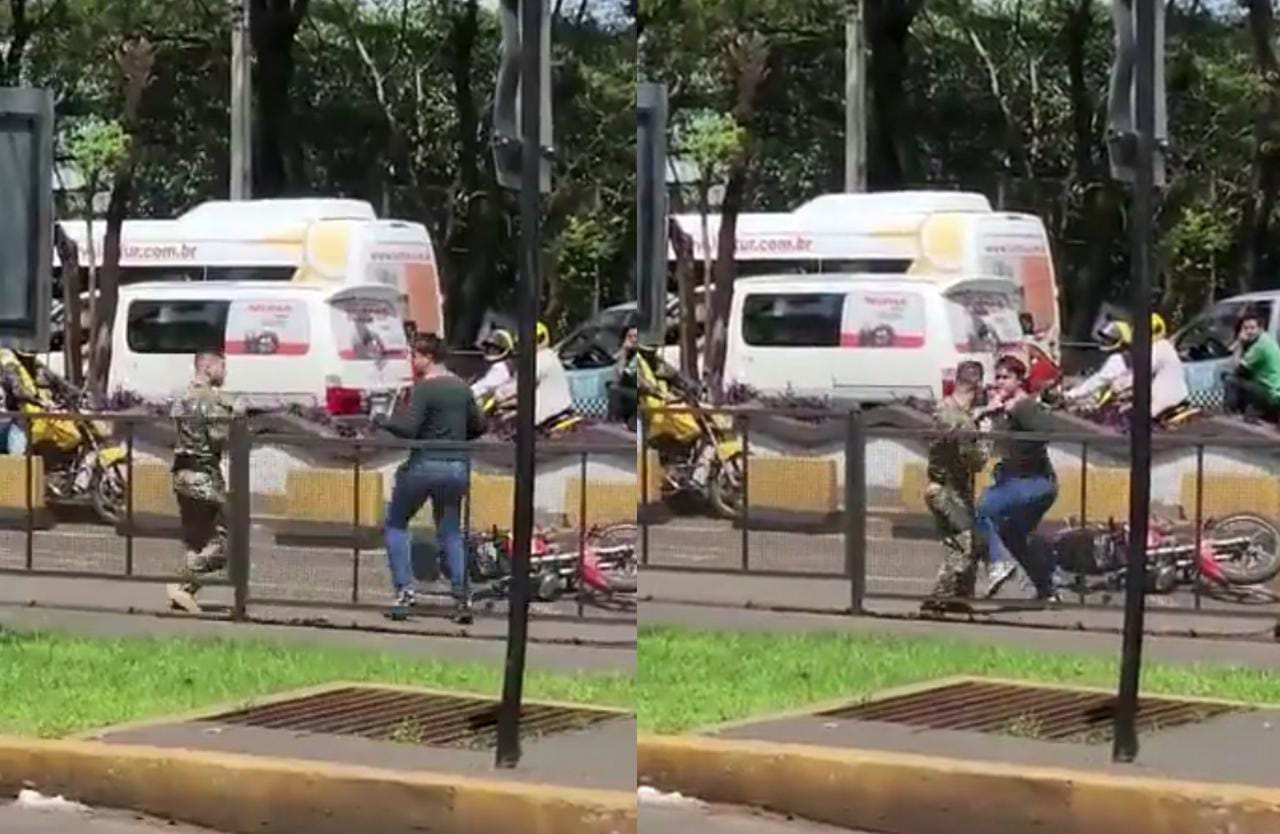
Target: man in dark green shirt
(441,408)
(1253,386)
(1025,485)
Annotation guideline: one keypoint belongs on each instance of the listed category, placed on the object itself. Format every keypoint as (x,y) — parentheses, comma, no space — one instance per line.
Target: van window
(1209,336)
(176,326)
(268,327)
(983,322)
(792,320)
(368,329)
(885,319)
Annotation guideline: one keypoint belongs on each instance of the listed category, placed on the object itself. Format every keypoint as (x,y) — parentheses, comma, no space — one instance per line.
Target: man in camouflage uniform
(201,417)
(954,460)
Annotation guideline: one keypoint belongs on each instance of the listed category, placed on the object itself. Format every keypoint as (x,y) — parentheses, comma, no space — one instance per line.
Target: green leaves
(97,147)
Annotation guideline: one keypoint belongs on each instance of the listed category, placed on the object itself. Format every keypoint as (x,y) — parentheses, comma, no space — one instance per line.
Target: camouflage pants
(201,497)
(953,515)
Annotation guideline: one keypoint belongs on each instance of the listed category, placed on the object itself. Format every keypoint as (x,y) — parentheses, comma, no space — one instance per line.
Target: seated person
(1253,384)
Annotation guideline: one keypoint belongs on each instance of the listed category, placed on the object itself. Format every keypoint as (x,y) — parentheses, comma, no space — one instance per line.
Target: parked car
(1204,343)
(589,353)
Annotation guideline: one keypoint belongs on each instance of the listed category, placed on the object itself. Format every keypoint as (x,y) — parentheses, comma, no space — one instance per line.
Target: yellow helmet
(1114,336)
(1158,327)
(544,335)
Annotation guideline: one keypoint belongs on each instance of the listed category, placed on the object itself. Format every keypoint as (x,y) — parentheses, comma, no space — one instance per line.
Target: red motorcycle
(1235,553)
(606,567)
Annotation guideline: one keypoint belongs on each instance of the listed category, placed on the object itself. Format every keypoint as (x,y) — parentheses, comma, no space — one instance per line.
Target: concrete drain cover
(1026,711)
(409,717)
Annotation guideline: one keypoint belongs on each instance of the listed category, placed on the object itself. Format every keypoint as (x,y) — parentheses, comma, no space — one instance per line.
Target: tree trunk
(747,60)
(1085,287)
(20,31)
(683,246)
(277,157)
(69,255)
(892,161)
(470,281)
(1256,249)
(136,58)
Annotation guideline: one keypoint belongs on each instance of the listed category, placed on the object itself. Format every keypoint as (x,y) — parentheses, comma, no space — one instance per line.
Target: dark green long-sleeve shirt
(440,408)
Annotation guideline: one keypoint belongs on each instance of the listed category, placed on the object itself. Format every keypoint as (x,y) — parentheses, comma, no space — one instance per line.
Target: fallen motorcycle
(604,568)
(1236,551)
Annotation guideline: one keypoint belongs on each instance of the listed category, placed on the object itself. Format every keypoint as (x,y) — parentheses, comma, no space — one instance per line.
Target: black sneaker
(462,612)
(404,605)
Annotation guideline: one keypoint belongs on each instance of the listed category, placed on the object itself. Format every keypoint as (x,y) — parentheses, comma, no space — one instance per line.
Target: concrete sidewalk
(1245,649)
(15,820)
(700,818)
(832,596)
(103,607)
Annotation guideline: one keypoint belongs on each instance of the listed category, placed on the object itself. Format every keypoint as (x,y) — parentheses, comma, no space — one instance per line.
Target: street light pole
(532,19)
(241,186)
(855,99)
(1125,748)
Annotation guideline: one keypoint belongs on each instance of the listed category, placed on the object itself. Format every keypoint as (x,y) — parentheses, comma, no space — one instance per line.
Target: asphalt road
(306,574)
(895,566)
(15,820)
(714,819)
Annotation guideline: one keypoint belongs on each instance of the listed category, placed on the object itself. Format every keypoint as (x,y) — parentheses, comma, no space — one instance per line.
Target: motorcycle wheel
(109,497)
(725,488)
(622,575)
(1261,562)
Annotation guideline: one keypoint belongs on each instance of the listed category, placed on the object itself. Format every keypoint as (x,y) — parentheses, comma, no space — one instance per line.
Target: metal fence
(841,498)
(304,517)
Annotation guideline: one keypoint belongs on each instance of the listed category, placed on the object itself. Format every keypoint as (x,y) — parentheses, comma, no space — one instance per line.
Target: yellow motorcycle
(81,462)
(700,451)
(501,415)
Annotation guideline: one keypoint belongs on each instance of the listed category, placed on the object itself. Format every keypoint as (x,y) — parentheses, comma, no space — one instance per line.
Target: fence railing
(841,497)
(304,513)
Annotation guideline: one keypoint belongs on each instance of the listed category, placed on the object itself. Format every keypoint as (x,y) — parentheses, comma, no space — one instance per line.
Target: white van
(866,338)
(286,344)
(927,235)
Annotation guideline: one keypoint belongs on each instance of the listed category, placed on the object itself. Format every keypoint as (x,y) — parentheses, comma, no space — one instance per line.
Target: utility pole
(1147,164)
(241,104)
(855,99)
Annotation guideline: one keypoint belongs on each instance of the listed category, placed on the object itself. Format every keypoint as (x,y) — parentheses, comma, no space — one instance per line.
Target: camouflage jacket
(201,417)
(953,461)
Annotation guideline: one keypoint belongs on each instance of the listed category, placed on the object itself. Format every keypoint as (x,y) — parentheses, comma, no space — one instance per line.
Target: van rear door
(982,317)
(372,351)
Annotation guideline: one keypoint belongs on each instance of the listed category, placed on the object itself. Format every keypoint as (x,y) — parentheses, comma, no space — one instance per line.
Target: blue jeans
(13,440)
(443,483)
(1009,512)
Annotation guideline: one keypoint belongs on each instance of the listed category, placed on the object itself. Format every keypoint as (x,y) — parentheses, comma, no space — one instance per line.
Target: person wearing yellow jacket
(18,393)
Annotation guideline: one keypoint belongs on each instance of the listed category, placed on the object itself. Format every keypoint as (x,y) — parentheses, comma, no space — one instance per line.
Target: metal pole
(531,22)
(1126,735)
(855,99)
(241,103)
(855,510)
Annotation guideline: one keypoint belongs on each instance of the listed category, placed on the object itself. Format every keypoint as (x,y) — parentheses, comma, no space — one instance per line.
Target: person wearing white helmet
(498,348)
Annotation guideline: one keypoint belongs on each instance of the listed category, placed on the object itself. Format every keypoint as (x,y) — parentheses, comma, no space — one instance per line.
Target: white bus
(312,241)
(932,235)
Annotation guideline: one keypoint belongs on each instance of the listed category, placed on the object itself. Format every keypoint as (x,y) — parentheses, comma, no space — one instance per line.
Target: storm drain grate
(409,717)
(1025,711)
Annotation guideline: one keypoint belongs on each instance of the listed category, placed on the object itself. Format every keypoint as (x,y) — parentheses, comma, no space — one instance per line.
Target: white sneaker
(997,575)
(182,598)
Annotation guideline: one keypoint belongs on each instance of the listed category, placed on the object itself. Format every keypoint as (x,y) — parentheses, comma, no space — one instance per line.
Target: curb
(253,795)
(908,794)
